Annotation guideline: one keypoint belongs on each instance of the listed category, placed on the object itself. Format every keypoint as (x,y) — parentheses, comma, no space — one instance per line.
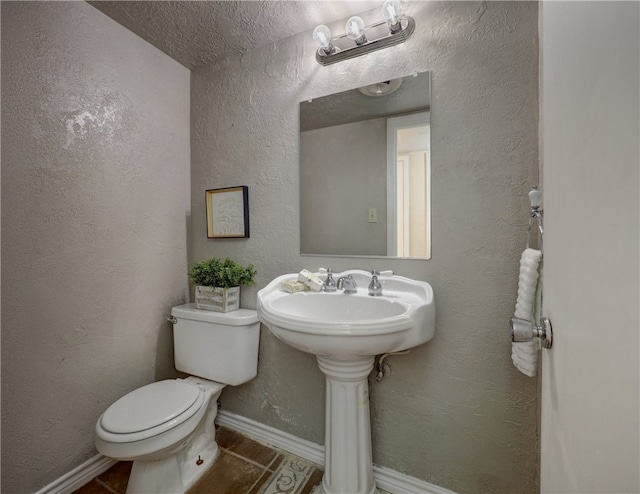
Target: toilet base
(177,472)
(170,475)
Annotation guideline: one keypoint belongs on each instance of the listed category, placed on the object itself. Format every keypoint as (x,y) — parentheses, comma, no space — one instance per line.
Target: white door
(409,185)
(589,73)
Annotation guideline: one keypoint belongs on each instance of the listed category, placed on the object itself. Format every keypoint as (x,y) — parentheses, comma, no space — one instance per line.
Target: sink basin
(335,324)
(346,332)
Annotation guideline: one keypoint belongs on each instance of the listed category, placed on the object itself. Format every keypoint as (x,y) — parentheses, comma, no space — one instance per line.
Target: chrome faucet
(329,283)
(348,284)
(375,288)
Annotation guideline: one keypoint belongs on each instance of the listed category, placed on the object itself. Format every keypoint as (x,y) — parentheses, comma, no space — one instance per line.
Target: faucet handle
(387,272)
(327,271)
(375,288)
(329,283)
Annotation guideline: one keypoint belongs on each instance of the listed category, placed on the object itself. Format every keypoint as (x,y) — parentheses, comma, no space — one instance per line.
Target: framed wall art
(228,212)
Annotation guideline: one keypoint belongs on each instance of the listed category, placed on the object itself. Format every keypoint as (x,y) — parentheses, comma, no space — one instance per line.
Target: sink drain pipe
(380,370)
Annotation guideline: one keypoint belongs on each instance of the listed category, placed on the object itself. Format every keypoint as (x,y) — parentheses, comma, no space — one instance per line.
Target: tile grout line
(278,453)
(258,480)
(268,470)
(255,463)
(265,469)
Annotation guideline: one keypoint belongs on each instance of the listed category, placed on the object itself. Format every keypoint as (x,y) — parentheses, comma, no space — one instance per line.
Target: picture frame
(228,212)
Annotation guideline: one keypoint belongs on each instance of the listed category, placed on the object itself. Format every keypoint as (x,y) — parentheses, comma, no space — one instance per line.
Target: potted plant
(218,283)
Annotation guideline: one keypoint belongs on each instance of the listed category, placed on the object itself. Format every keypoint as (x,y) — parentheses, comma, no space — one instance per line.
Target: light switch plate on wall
(373,215)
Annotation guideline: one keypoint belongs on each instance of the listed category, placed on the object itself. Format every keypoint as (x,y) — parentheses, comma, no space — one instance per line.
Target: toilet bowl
(167,427)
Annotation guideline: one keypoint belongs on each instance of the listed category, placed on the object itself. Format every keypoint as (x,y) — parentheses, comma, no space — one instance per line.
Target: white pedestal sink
(346,332)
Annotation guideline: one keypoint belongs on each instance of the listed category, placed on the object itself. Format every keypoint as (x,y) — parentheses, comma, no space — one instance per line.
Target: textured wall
(95,207)
(454,412)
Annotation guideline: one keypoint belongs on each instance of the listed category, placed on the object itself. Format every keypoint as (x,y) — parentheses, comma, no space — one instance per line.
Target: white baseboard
(386,478)
(79,476)
(269,435)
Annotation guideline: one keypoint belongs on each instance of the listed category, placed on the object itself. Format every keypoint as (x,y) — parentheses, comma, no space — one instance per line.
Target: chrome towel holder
(536,213)
(523,330)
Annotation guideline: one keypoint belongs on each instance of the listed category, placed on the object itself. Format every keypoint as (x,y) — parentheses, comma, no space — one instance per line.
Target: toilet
(167,427)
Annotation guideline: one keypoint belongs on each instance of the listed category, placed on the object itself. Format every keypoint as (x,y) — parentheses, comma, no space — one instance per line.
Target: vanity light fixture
(395,28)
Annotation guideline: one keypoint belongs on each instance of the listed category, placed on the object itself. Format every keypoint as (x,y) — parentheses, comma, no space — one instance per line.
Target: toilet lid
(151,406)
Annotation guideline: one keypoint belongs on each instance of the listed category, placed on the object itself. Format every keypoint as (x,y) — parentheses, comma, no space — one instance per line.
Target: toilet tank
(218,346)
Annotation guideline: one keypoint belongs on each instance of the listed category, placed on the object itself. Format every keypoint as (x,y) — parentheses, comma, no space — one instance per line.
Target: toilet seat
(150,410)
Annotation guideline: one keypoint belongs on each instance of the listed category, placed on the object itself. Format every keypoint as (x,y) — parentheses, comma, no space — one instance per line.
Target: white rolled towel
(525,354)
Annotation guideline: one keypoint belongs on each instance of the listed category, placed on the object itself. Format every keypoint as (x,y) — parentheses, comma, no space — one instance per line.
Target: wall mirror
(365,159)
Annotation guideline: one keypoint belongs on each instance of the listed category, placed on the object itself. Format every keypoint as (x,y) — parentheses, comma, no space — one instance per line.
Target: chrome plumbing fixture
(329,283)
(375,288)
(348,284)
(382,368)
(524,330)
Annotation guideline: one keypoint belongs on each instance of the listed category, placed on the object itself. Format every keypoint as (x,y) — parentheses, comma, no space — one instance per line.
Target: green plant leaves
(223,273)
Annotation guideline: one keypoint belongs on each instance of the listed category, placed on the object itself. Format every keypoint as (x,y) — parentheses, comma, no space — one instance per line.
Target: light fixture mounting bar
(407,23)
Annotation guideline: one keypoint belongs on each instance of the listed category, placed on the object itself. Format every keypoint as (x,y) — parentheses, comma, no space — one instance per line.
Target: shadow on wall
(164,366)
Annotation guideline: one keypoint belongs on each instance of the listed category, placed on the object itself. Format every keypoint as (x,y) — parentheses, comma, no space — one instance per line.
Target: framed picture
(228,212)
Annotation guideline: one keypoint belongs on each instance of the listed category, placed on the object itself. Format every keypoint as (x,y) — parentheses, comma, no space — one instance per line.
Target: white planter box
(217,299)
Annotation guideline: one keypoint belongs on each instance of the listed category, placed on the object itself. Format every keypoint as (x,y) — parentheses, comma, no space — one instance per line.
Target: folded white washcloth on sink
(525,354)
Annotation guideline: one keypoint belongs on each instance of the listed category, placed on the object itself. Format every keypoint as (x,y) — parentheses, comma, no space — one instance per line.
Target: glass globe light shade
(355,30)
(391,11)
(322,36)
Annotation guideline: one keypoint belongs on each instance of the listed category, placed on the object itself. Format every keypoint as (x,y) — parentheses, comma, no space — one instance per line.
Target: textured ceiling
(197,32)
(413,95)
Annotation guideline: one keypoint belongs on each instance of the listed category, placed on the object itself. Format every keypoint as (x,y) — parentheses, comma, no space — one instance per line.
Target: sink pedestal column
(348,467)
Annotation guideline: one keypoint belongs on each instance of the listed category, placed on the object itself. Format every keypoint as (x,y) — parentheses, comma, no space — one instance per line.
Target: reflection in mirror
(365,171)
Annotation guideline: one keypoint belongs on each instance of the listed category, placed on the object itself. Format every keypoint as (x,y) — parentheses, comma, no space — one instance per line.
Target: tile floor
(243,467)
